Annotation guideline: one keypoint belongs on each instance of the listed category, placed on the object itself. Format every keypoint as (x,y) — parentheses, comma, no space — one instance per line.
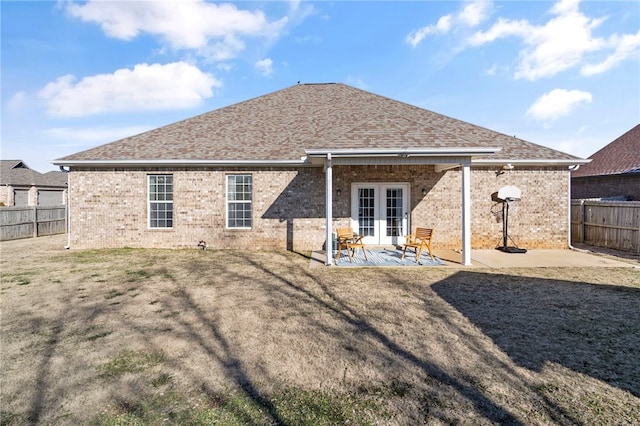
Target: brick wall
(109,207)
(627,186)
(538,220)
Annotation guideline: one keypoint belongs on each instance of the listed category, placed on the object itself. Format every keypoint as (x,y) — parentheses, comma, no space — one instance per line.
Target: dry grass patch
(210,337)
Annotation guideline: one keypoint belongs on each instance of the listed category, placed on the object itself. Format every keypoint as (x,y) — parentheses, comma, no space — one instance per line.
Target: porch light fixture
(424,191)
(338,192)
(508,166)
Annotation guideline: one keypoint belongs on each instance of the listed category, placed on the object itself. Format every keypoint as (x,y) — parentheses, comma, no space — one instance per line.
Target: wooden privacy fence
(30,221)
(610,224)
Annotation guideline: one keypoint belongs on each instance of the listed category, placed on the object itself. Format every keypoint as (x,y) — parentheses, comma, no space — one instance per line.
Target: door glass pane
(394,212)
(366,211)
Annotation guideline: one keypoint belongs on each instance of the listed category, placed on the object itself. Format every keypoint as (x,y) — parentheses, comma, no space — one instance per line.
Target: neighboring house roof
(54,178)
(283,125)
(619,157)
(17,173)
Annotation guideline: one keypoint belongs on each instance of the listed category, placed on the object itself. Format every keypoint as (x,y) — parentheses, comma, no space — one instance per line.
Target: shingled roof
(619,157)
(18,173)
(282,125)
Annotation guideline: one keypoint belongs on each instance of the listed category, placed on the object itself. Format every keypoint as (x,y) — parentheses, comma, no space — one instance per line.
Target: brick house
(21,186)
(283,170)
(614,171)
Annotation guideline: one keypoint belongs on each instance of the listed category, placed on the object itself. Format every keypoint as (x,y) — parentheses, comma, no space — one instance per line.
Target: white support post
(68,212)
(329,213)
(466,214)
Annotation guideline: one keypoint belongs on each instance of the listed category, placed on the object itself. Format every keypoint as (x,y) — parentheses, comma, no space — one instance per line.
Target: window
(239,189)
(160,201)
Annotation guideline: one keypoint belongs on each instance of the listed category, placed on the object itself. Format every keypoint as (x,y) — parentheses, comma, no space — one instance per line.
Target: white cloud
(265,66)
(492,71)
(299,11)
(565,6)
(17,101)
(474,13)
(496,69)
(145,87)
(625,46)
(558,103)
(442,26)
(223,50)
(225,66)
(561,43)
(471,15)
(502,28)
(213,30)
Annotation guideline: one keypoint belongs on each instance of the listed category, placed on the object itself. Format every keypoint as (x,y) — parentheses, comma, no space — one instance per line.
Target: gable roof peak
(15,164)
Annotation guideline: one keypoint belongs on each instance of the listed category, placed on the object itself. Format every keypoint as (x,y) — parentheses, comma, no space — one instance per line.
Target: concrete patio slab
(545,258)
(575,258)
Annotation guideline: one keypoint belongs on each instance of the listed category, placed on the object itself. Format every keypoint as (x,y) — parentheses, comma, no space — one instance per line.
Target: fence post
(638,243)
(582,227)
(35,221)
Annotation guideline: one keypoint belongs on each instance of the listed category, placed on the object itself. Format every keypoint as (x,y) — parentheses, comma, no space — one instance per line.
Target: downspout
(68,209)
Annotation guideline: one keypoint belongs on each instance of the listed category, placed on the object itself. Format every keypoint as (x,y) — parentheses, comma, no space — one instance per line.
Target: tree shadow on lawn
(532,320)
(220,348)
(133,395)
(601,343)
(355,326)
(589,328)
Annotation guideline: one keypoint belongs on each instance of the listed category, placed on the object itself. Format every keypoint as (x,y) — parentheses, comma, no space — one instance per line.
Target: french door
(380,212)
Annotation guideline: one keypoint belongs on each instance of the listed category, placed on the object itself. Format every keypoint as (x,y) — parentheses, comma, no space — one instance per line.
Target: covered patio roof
(444,158)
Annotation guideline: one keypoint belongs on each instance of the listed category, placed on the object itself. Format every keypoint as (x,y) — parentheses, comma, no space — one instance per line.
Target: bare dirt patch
(186,336)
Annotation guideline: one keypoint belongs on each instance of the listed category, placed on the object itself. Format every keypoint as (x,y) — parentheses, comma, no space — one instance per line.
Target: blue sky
(564,74)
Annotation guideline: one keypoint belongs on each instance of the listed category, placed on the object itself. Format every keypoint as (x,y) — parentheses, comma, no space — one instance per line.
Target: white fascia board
(421,152)
(531,162)
(398,160)
(180,163)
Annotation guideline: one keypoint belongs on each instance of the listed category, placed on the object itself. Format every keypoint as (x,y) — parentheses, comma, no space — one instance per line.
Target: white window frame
(165,202)
(234,201)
